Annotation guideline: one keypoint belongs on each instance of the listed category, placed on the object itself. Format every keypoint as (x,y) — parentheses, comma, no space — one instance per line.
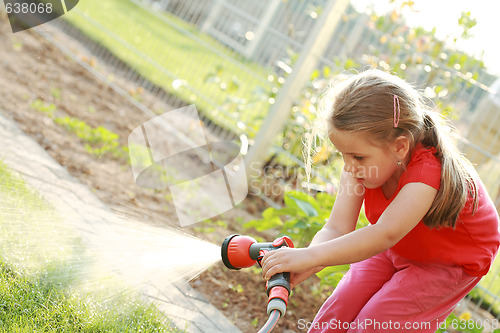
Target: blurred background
(256,71)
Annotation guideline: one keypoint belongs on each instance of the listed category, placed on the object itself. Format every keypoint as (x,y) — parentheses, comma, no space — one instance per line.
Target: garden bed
(44,91)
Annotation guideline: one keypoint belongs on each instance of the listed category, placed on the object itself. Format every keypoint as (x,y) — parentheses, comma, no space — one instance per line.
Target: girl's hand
(296,261)
(296,278)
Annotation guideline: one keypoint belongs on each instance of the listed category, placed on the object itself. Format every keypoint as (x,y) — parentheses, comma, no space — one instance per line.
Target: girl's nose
(349,167)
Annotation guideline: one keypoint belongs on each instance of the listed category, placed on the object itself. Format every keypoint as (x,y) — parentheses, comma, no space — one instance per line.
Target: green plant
(41,106)
(238,288)
(208,226)
(98,141)
(331,275)
(301,218)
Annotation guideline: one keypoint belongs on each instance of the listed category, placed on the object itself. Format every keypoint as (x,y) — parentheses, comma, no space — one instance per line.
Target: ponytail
(457,183)
(364,103)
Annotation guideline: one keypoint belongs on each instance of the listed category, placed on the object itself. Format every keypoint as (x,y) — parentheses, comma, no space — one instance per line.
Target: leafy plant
(466,22)
(43,107)
(98,141)
(331,275)
(301,218)
(208,226)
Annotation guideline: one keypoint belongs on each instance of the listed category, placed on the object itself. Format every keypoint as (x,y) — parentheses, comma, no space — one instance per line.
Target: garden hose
(271,322)
(244,251)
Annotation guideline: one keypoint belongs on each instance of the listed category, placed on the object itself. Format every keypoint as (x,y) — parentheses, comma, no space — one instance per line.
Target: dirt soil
(33,69)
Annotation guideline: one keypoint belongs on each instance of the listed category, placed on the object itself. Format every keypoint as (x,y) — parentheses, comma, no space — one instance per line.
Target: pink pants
(388,293)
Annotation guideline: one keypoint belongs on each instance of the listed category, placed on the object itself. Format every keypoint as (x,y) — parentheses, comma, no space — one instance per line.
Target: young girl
(433,229)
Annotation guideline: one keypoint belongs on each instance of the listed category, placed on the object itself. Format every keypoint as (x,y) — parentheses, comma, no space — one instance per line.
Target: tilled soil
(33,69)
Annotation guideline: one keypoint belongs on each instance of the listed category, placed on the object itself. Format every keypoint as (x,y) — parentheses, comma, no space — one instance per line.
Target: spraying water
(99,254)
(142,254)
(55,230)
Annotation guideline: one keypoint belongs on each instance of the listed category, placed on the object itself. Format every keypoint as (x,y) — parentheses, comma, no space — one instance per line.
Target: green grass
(41,265)
(41,304)
(26,221)
(216,83)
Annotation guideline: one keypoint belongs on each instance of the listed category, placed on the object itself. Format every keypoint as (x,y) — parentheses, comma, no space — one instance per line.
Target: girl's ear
(401,147)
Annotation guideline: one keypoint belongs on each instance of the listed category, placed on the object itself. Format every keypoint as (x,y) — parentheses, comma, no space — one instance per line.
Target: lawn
(177,57)
(40,265)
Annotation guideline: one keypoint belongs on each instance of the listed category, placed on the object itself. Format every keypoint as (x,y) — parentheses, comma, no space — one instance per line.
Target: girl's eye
(359,158)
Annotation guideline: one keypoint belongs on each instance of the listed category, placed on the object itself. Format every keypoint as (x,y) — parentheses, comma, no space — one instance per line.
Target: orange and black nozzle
(243,251)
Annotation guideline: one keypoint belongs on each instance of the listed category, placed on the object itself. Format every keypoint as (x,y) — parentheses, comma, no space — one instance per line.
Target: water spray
(244,251)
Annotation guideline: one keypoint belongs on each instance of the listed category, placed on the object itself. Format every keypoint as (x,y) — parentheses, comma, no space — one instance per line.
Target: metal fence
(272,34)
(259,40)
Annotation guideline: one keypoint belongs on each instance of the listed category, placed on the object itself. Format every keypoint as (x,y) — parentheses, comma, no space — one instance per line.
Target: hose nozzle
(235,252)
(244,251)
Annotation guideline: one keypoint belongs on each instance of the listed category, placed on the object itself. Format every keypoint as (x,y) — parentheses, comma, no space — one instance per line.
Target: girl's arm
(345,211)
(342,220)
(401,216)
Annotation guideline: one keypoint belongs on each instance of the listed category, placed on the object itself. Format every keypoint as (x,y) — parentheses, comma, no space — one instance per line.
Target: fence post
(212,16)
(279,112)
(261,28)
(484,128)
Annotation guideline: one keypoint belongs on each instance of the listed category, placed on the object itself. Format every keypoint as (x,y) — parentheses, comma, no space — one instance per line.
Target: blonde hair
(364,102)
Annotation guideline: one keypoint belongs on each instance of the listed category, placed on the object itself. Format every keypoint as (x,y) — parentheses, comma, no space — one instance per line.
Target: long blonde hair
(363,103)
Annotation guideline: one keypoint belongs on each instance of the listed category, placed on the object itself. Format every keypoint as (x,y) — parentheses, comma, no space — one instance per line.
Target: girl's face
(369,164)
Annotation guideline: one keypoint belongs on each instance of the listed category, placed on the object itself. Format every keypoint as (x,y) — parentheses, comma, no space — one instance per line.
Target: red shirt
(474,241)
